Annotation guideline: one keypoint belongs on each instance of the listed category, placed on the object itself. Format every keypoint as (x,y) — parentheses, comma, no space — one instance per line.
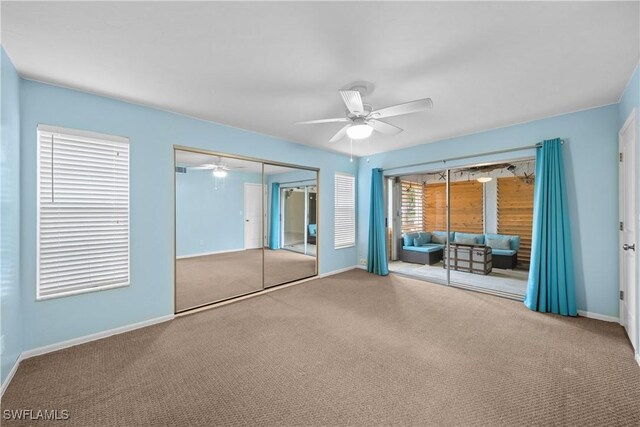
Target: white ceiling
(264,66)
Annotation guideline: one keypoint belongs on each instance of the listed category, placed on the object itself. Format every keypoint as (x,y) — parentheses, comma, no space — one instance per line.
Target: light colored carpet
(351,349)
(282,266)
(299,247)
(510,281)
(204,279)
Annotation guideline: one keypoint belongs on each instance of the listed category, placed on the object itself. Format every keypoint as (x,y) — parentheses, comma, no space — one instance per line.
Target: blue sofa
(431,245)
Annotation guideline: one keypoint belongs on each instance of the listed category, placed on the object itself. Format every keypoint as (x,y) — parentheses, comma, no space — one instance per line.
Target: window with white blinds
(83,212)
(411,207)
(345,211)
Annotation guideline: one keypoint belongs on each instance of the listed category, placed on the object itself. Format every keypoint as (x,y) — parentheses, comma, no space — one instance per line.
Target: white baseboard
(638,358)
(265,291)
(115,331)
(598,316)
(209,253)
(341,270)
(76,341)
(12,372)
(92,337)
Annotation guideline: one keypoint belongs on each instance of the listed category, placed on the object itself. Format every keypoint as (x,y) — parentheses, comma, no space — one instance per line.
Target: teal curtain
(551,286)
(377,256)
(274,236)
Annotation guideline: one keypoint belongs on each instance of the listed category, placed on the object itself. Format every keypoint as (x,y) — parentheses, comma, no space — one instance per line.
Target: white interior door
(628,218)
(252,216)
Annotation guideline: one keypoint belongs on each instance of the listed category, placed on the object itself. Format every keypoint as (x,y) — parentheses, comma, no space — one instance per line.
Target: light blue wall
(10,304)
(591,172)
(592,176)
(210,219)
(152,135)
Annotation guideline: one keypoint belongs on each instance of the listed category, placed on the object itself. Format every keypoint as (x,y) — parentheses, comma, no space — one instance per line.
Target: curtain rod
(506,150)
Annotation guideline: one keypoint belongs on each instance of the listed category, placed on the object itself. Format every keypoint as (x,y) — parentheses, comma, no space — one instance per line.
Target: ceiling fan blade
(353,101)
(341,133)
(384,127)
(406,108)
(206,166)
(310,122)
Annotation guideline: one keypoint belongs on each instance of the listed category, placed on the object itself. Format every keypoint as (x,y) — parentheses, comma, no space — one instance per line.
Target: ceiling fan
(528,178)
(220,168)
(362,119)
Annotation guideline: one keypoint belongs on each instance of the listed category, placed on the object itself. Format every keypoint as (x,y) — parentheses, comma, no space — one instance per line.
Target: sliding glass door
(298,220)
(467,227)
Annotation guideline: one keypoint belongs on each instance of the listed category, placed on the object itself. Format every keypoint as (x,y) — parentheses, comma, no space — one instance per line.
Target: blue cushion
(507,252)
(422,239)
(465,240)
(408,238)
(479,238)
(426,249)
(312,229)
(425,235)
(499,243)
(515,240)
(441,236)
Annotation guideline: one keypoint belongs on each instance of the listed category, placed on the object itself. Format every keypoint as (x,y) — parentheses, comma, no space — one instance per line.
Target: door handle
(246,220)
(627,247)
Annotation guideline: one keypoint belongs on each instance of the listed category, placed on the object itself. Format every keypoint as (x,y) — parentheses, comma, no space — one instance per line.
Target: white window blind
(83,212)
(411,207)
(345,211)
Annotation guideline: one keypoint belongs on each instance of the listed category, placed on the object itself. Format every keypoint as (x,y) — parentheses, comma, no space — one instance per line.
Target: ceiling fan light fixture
(220,173)
(484,179)
(359,131)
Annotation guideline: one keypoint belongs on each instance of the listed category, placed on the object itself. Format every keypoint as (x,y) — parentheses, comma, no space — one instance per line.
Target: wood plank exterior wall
(466,207)
(515,213)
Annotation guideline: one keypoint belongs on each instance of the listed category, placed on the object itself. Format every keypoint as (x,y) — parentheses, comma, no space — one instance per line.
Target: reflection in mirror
(218,228)
(290,223)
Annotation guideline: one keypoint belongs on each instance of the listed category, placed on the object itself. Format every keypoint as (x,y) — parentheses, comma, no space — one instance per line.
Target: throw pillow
(465,240)
(421,240)
(408,238)
(439,238)
(499,243)
(425,235)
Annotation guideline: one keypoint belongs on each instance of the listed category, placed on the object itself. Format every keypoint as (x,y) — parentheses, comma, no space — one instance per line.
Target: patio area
(511,282)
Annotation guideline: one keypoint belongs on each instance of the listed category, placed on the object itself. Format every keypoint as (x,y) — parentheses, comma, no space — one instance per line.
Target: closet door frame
(263,162)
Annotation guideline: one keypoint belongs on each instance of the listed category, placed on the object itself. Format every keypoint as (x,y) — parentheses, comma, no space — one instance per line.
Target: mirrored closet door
(241,226)
(291,224)
(218,228)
